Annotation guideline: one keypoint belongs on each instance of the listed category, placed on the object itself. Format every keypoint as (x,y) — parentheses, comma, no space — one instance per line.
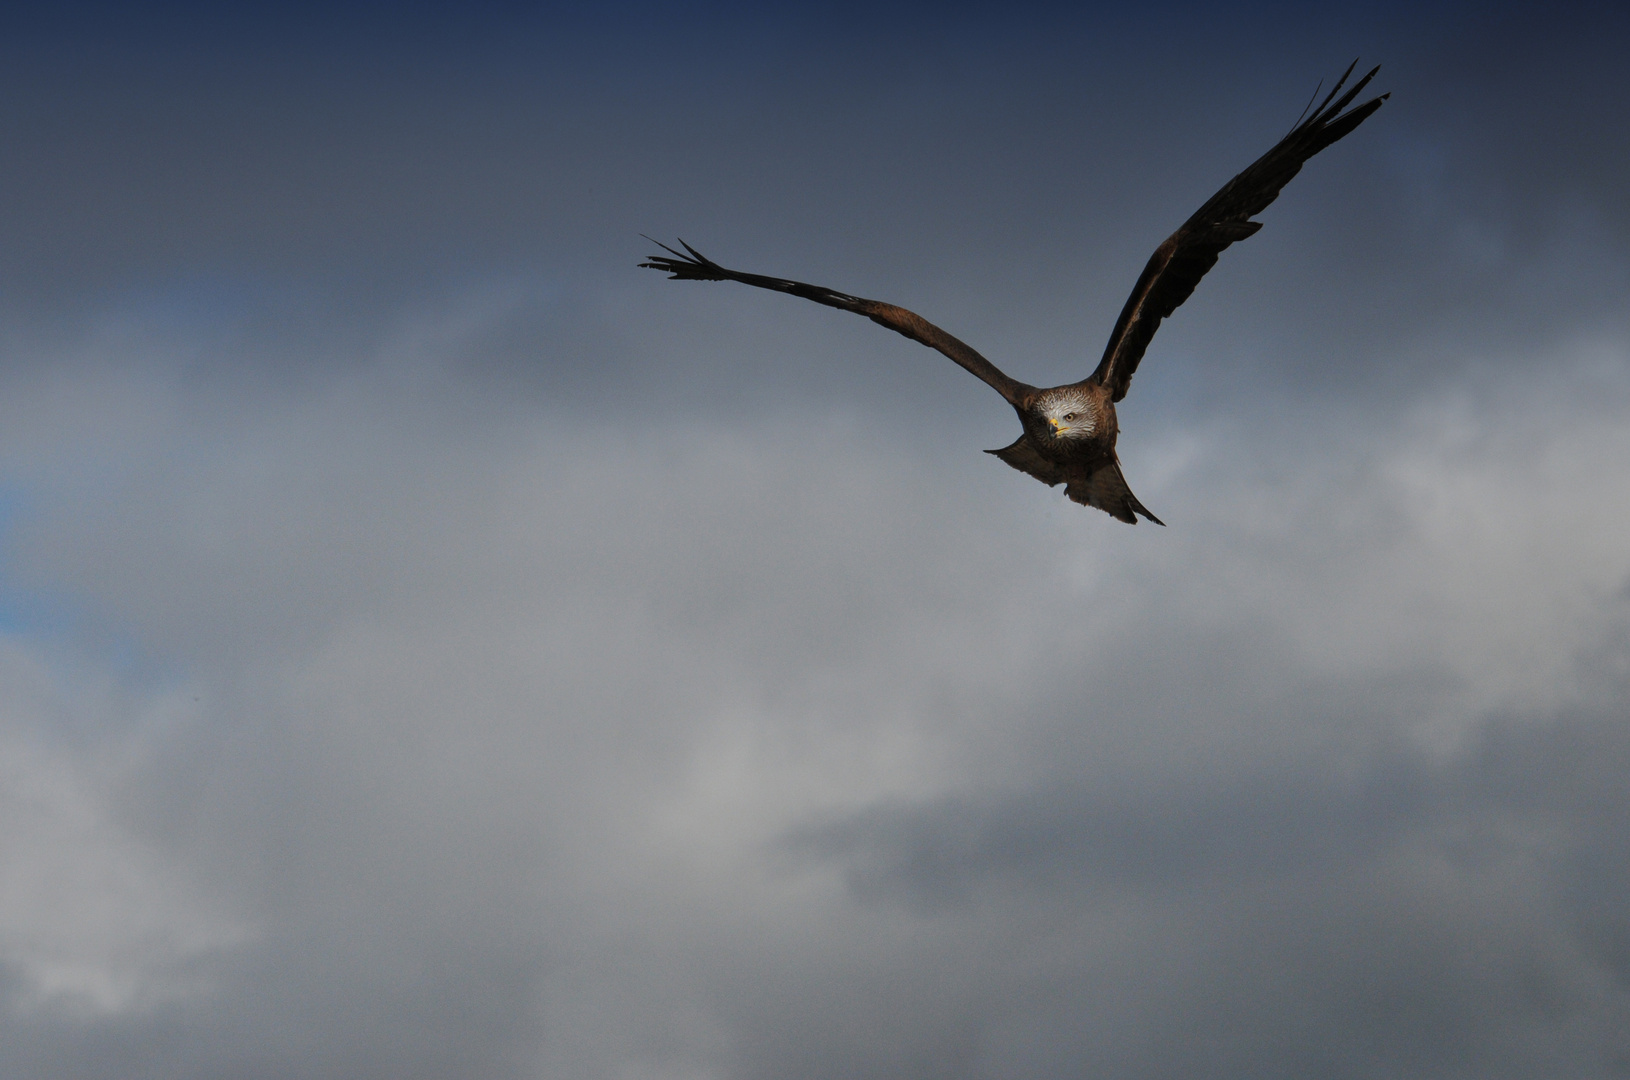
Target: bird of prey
(1070,431)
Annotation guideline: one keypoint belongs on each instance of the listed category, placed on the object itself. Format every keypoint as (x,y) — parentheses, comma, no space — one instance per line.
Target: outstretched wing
(697,267)
(1178,265)
(1024,456)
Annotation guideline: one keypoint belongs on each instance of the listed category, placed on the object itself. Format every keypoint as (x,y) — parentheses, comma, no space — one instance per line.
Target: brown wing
(1022,455)
(1178,265)
(697,267)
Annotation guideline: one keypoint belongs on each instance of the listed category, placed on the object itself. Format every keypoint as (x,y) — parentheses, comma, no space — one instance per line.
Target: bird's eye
(1069,416)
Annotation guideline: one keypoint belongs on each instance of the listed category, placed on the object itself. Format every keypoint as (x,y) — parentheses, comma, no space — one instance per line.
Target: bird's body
(1069,438)
(1070,431)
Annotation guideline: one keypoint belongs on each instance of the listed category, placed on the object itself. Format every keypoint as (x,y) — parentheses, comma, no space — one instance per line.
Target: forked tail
(1106,489)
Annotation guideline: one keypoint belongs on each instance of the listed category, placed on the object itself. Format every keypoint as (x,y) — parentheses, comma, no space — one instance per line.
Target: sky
(431,646)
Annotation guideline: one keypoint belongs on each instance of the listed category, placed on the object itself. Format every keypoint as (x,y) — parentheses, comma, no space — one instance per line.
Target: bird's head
(1067,413)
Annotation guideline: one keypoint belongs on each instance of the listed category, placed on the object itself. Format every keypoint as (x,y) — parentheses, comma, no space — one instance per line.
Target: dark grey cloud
(1425,916)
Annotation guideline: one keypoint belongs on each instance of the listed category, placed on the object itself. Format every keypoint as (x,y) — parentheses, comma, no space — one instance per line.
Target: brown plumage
(1070,431)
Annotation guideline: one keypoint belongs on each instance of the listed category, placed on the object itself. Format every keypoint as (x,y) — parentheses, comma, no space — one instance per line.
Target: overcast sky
(431,646)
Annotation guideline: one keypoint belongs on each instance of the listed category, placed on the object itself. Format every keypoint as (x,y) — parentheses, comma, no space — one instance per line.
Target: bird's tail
(1106,489)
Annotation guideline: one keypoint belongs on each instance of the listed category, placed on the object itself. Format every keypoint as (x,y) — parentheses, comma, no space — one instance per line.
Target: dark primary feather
(1178,264)
(697,267)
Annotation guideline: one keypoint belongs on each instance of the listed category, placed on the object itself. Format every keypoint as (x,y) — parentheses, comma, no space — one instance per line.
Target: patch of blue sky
(59,620)
(22,611)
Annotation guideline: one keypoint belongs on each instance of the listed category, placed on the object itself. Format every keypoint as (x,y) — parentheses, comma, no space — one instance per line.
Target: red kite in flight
(1069,431)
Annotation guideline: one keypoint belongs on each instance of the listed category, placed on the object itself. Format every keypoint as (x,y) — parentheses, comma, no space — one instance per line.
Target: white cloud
(93,916)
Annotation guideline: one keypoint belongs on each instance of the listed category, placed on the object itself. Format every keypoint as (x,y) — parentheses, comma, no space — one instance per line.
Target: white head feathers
(1068,412)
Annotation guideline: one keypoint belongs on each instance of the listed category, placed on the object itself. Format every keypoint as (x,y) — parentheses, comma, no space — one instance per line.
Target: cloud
(96,920)
(526,743)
